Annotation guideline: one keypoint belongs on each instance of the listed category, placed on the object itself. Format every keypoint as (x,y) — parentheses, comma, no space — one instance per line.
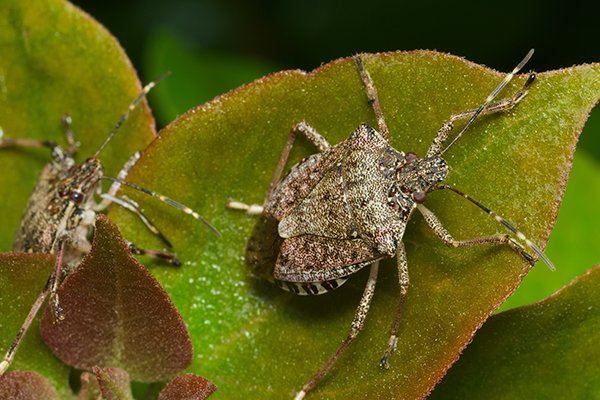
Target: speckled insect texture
(347,206)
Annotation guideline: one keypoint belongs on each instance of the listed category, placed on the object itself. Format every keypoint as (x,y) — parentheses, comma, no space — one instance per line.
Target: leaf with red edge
(515,163)
(26,385)
(187,387)
(117,315)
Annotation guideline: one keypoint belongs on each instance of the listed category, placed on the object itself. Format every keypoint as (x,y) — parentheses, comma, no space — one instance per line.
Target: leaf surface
(544,350)
(251,337)
(22,278)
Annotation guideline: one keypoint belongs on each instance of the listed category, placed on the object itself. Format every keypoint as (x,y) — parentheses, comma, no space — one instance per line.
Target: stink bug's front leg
(437,149)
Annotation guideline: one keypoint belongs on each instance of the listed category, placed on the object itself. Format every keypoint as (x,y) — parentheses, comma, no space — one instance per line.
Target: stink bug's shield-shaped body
(347,207)
(59,218)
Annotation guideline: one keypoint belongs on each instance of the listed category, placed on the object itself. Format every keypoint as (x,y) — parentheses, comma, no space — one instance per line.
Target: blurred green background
(213,46)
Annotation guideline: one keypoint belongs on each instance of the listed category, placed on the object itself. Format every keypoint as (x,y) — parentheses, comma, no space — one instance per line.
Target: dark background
(212,46)
(304,34)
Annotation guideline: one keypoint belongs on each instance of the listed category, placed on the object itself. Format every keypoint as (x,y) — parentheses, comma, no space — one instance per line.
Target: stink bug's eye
(419,197)
(76,197)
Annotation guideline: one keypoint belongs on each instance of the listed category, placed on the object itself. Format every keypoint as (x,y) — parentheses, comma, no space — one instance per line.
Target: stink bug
(59,218)
(347,206)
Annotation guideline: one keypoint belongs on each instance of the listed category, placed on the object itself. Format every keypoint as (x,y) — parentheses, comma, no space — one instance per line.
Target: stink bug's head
(79,184)
(419,175)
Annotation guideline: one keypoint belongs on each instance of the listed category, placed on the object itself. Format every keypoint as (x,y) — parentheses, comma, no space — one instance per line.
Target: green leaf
(22,278)
(26,385)
(575,236)
(117,315)
(251,337)
(57,60)
(547,350)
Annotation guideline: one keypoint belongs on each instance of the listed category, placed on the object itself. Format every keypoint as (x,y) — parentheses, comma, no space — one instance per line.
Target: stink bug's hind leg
(357,325)
(404,282)
(49,287)
(312,135)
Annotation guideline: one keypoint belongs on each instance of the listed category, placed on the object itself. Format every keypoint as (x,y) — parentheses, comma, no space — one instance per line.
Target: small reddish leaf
(188,387)
(114,383)
(26,385)
(117,314)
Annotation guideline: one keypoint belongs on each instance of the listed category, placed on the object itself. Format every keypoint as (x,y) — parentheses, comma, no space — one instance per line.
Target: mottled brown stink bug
(347,207)
(59,218)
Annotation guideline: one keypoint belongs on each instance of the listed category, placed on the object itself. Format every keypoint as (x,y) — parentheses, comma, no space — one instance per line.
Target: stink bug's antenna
(504,222)
(491,97)
(167,200)
(133,105)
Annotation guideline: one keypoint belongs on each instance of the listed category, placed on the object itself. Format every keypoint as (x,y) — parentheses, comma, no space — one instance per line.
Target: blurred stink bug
(347,207)
(59,218)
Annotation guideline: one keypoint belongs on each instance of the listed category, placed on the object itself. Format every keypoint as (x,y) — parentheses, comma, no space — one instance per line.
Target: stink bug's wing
(300,181)
(312,258)
(350,201)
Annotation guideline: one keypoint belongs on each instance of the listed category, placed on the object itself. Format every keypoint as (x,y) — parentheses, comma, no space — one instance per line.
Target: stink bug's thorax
(413,178)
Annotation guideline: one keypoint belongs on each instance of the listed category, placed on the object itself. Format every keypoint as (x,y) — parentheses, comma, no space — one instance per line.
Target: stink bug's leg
(373,99)
(404,282)
(35,308)
(116,185)
(168,257)
(507,225)
(10,354)
(503,105)
(110,197)
(311,134)
(357,325)
(132,206)
(448,240)
(70,135)
(55,279)
(250,209)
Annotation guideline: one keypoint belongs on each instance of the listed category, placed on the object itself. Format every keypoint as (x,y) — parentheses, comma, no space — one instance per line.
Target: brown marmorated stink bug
(59,218)
(347,207)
